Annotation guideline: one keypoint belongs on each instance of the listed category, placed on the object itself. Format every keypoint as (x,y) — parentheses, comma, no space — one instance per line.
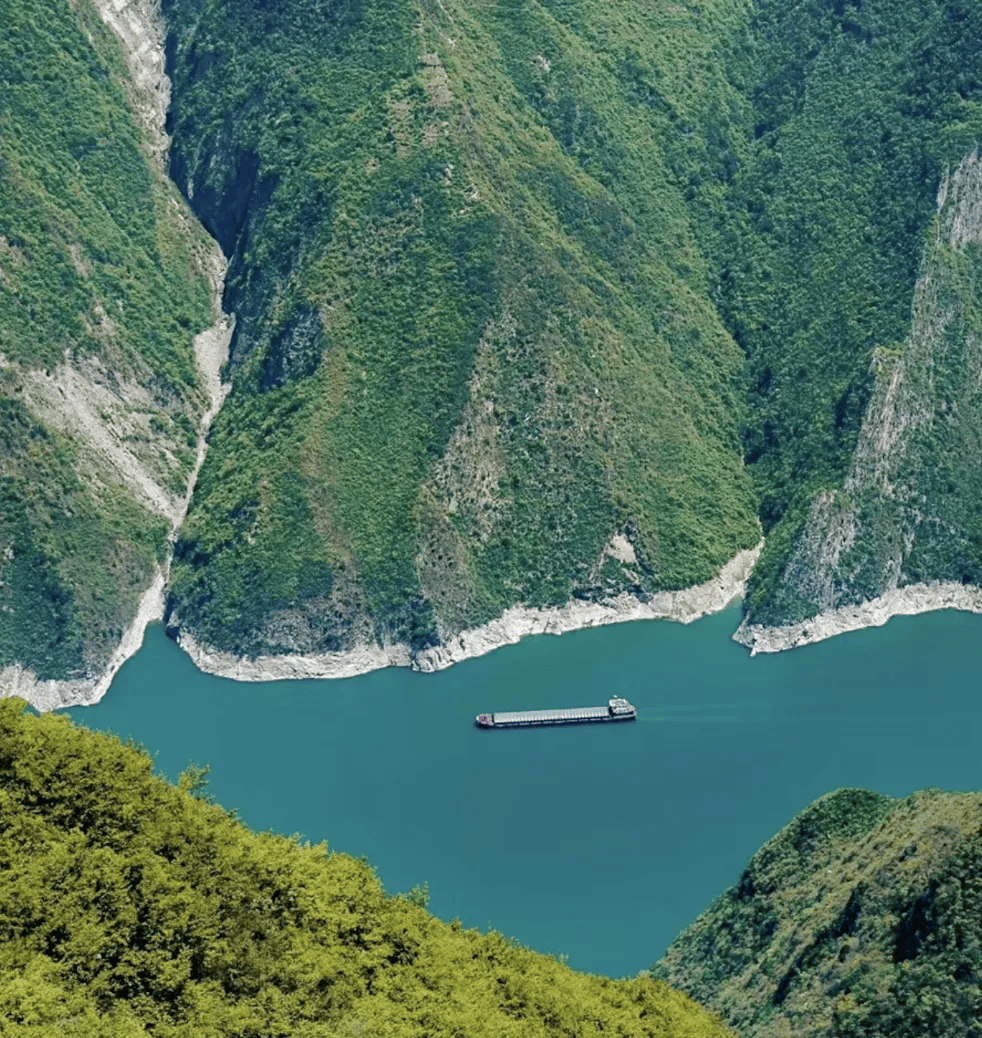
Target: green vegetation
(131,907)
(861,919)
(96,272)
(92,261)
(859,108)
(509,280)
(475,337)
(72,564)
(483,259)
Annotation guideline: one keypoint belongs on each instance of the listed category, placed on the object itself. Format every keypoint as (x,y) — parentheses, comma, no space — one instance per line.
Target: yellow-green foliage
(131,907)
(861,919)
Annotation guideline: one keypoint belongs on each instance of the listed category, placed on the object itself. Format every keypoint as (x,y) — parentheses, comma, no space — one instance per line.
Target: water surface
(598,842)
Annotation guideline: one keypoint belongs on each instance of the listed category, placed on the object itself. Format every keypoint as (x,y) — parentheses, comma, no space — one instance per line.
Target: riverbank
(390,766)
(682,606)
(904,601)
(45,695)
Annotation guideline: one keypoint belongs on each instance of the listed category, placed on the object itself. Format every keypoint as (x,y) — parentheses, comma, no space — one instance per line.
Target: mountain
(132,907)
(476,362)
(855,291)
(533,316)
(862,918)
(105,281)
(510,285)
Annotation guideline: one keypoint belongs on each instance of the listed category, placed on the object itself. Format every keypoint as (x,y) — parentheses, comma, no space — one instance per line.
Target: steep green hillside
(100,297)
(519,290)
(475,333)
(131,907)
(860,109)
(861,919)
(478,256)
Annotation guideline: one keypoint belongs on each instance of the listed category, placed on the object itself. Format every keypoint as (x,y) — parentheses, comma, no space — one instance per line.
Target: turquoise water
(598,843)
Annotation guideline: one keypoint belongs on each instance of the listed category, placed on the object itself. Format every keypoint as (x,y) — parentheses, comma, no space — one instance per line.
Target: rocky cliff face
(138,26)
(905,512)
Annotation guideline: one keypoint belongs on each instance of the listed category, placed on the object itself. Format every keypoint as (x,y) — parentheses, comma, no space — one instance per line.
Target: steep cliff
(485,267)
(537,310)
(105,280)
(907,511)
(861,919)
(855,292)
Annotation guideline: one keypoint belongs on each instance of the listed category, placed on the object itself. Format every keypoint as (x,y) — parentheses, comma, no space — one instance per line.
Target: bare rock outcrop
(139,25)
(852,558)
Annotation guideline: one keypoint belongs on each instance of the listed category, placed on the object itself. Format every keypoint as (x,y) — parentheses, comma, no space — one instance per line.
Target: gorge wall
(860,918)
(857,301)
(540,316)
(476,364)
(906,512)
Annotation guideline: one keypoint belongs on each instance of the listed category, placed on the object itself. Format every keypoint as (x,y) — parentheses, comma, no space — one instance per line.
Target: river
(598,842)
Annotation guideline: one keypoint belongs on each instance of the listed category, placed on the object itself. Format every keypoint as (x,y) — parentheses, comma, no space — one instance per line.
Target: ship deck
(571,716)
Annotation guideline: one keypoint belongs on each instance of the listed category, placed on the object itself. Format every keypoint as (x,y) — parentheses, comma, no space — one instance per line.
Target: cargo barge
(615,710)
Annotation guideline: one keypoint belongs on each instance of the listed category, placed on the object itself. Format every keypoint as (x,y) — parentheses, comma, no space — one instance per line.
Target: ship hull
(553,722)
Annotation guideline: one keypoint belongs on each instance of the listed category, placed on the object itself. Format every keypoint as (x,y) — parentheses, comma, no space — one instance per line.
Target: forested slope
(101,294)
(131,907)
(851,280)
(508,280)
(861,919)
(475,336)
(533,304)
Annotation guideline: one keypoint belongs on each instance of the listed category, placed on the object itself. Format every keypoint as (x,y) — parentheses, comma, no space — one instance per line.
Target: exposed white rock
(139,25)
(960,200)
(821,567)
(904,601)
(108,413)
(683,606)
(108,417)
(211,351)
(346,664)
(621,549)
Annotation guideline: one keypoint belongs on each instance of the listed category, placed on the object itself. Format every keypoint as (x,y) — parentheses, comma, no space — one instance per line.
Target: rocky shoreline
(55,695)
(515,623)
(903,601)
